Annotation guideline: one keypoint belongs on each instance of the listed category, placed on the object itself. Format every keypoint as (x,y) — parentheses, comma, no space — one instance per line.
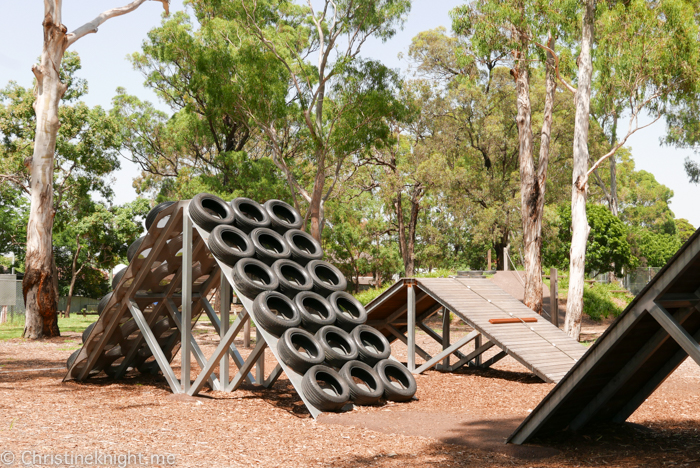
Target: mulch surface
(459,419)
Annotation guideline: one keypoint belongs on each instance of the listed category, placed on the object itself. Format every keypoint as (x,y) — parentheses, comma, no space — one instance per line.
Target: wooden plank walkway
(541,347)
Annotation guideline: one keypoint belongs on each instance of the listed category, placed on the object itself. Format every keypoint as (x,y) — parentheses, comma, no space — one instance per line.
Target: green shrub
(365,297)
(600,303)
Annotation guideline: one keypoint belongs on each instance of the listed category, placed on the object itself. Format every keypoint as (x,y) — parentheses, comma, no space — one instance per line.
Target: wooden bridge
(538,345)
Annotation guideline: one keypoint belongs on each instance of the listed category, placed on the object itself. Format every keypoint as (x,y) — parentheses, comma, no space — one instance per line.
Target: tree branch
(92,26)
(556,66)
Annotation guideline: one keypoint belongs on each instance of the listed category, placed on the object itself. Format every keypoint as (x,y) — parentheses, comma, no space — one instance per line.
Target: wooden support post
(554,296)
(260,364)
(411,326)
(505,258)
(488,260)
(246,334)
(446,332)
(477,345)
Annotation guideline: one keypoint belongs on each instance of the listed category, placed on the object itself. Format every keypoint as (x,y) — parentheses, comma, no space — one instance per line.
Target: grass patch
(75,323)
(599,302)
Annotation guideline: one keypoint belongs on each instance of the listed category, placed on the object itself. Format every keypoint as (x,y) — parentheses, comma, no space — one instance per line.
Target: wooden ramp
(539,346)
(639,350)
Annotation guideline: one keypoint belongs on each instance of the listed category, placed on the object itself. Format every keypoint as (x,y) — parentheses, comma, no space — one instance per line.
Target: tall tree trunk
(614,207)
(74,275)
(532,193)
(529,188)
(579,191)
(401,228)
(315,218)
(38,286)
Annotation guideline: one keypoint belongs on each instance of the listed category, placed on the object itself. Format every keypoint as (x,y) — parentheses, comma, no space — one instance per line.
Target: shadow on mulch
(511,376)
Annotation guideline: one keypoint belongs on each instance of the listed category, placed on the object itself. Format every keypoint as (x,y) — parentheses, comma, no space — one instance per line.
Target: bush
(367,296)
(600,303)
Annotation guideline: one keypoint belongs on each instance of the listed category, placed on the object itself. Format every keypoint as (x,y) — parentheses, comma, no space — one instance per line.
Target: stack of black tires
(301,299)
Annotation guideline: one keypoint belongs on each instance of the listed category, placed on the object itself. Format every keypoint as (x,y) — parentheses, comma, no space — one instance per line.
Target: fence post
(488,260)
(505,258)
(554,296)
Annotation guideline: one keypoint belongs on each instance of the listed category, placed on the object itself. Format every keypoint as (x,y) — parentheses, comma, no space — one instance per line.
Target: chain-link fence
(635,280)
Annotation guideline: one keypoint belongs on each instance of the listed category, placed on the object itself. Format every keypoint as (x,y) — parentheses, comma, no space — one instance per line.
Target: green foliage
(75,323)
(599,302)
(653,249)
(607,249)
(684,229)
(368,295)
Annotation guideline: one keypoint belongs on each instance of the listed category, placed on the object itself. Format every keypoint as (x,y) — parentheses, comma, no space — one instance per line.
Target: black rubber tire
(289,347)
(71,359)
(249,214)
(283,216)
(372,346)
(209,211)
(87,331)
(303,247)
(118,277)
(315,311)
(371,389)
(230,244)
(349,312)
(252,277)
(327,279)
(275,312)
(134,248)
(337,345)
(318,396)
(269,246)
(293,278)
(399,384)
(153,214)
(103,302)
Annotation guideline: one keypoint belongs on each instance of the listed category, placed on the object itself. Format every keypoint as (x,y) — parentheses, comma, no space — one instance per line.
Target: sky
(105,66)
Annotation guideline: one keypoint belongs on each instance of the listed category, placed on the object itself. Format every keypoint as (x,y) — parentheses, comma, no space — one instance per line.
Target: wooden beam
(446,352)
(493,360)
(420,351)
(473,355)
(677,332)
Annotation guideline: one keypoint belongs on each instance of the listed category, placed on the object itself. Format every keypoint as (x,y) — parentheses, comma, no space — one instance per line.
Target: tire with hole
(103,302)
(329,395)
(290,345)
(249,214)
(71,359)
(372,345)
(269,246)
(118,277)
(283,216)
(326,278)
(153,214)
(275,312)
(87,331)
(209,211)
(230,244)
(371,389)
(337,345)
(253,277)
(303,247)
(134,248)
(293,278)
(315,311)
(349,311)
(404,386)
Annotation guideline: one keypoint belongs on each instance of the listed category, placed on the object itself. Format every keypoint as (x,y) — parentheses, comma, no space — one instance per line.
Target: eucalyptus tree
(650,72)
(39,284)
(521,33)
(333,100)
(85,147)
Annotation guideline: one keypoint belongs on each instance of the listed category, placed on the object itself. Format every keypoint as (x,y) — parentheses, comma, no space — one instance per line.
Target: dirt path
(458,420)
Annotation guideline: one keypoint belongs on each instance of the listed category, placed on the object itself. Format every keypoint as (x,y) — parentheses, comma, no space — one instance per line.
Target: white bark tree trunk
(40,286)
(579,191)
